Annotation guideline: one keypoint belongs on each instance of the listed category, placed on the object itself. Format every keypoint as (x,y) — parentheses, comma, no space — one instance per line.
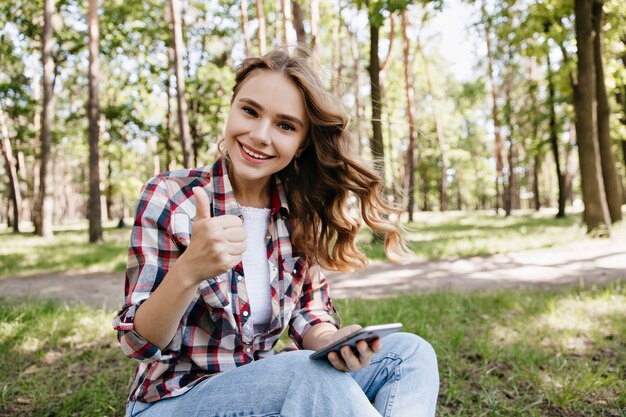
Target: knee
(409,345)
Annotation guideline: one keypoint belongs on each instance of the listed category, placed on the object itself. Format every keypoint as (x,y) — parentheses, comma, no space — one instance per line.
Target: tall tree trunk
(495,115)
(170,157)
(376,143)
(410,113)
(554,139)
(536,168)
(11,169)
(36,88)
(315,21)
(183,117)
(244,27)
(260,14)
(93,110)
(612,186)
(286,14)
(298,22)
(596,213)
(45,199)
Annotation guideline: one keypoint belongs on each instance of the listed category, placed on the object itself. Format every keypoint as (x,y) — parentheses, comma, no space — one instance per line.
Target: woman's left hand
(348,361)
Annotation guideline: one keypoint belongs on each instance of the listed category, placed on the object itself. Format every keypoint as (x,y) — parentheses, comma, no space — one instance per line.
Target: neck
(251,193)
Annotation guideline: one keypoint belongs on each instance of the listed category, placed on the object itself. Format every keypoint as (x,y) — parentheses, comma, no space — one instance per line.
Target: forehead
(274,91)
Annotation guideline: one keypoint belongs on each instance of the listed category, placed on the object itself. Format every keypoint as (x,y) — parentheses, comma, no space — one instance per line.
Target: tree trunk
(45,200)
(183,117)
(536,168)
(410,113)
(170,156)
(298,22)
(93,110)
(315,20)
(376,143)
(554,139)
(612,186)
(284,7)
(596,213)
(11,170)
(244,27)
(495,115)
(260,14)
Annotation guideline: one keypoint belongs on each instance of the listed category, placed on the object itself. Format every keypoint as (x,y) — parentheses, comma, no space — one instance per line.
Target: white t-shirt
(256,266)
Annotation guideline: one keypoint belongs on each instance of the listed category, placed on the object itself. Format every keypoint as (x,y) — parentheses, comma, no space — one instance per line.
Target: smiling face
(266,127)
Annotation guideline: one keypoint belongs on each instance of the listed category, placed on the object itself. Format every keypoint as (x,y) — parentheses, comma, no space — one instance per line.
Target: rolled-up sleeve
(150,254)
(314,306)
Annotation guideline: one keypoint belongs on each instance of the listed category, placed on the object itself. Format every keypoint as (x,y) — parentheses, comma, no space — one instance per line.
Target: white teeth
(256,155)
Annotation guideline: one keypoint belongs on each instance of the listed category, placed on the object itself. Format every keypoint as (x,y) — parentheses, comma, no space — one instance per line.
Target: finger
(350,359)
(336,361)
(203,204)
(235,234)
(229,220)
(376,345)
(236,248)
(365,353)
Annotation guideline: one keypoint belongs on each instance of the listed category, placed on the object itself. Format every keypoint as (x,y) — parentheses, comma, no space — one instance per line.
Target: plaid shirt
(216,333)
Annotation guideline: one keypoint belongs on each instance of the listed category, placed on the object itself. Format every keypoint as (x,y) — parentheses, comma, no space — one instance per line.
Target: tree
(612,186)
(596,213)
(183,117)
(7,152)
(298,22)
(43,226)
(93,112)
(260,15)
(410,112)
(244,25)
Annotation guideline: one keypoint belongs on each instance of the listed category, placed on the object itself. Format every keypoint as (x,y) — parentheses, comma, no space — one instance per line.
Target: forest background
(96,98)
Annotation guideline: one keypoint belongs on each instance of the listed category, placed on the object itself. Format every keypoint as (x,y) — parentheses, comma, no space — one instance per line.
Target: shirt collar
(224,198)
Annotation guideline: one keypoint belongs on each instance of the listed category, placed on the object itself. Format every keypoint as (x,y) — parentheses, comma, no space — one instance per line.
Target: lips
(254,153)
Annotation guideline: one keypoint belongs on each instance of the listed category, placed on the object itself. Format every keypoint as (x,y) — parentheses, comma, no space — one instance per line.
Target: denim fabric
(402,381)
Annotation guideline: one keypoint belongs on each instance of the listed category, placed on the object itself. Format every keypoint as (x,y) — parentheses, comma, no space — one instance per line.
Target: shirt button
(248,350)
(268,237)
(245,313)
(239,278)
(294,272)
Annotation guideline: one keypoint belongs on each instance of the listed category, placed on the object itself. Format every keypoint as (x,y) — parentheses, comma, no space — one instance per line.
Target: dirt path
(581,262)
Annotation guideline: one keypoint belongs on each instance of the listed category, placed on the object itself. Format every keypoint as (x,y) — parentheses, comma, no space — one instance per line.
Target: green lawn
(506,353)
(431,236)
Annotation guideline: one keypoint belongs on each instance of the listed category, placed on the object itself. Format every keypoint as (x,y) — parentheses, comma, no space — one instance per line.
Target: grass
(430,236)
(506,353)
(460,234)
(68,250)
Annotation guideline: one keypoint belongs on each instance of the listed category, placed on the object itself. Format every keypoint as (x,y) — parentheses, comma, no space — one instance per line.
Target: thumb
(203,204)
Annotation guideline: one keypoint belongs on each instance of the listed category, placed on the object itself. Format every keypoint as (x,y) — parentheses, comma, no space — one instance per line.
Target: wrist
(183,275)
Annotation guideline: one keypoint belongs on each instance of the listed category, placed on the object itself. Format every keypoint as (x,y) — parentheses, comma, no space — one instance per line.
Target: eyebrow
(285,116)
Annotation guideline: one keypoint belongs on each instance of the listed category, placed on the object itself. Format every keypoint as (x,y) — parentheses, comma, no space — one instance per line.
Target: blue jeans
(402,381)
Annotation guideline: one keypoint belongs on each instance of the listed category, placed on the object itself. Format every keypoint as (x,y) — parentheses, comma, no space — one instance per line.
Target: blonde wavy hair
(319,181)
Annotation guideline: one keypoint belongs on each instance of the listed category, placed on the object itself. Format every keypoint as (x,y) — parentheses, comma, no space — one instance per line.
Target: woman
(222,259)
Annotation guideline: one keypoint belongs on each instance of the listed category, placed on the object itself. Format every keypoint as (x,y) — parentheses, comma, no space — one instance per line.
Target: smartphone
(369,334)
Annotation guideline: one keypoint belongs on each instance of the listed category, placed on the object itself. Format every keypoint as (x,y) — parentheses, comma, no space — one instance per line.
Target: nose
(261,132)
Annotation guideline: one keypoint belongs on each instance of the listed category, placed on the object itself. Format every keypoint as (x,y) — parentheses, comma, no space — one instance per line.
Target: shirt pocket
(180,225)
(216,291)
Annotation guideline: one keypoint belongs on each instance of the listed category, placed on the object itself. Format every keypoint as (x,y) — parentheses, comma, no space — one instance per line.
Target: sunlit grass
(24,254)
(505,353)
(459,234)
